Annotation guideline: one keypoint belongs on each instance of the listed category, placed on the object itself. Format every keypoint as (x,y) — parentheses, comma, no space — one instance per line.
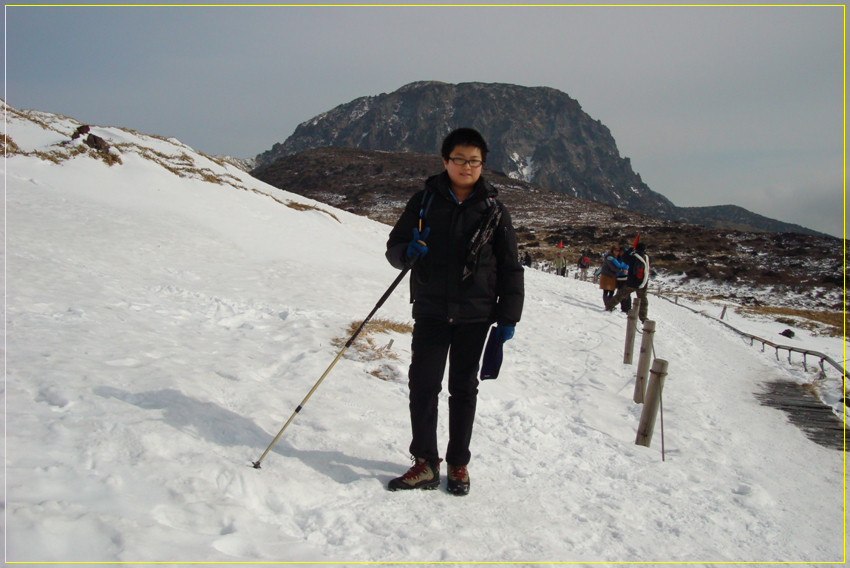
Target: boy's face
(465,176)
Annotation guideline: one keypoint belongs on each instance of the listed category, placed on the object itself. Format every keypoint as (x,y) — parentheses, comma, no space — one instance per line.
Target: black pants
(625,296)
(434,341)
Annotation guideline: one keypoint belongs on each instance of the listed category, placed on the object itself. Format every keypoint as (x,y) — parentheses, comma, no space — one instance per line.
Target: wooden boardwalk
(806,411)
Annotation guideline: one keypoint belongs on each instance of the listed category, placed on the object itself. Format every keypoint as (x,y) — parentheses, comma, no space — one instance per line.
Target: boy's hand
(417,246)
(505,332)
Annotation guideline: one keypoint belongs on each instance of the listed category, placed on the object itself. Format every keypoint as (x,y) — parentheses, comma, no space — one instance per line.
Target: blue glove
(505,332)
(417,248)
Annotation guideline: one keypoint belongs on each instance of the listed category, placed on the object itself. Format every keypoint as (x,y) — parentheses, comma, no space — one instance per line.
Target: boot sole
(457,489)
(428,485)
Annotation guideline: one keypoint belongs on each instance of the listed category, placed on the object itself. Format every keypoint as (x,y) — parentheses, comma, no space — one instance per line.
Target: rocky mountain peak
(536,134)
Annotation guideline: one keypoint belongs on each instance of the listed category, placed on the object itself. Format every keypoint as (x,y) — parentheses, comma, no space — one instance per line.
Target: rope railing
(824,358)
(649,383)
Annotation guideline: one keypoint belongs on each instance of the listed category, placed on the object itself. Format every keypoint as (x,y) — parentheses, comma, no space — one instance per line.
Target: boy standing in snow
(465,277)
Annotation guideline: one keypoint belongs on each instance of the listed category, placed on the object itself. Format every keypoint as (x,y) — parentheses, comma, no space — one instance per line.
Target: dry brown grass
(61,152)
(110,159)
(298,207)
(9,146)
(58,155)
(818,322)
(38,118)
(182,165)
(365,342)
(832,324)
(305,207)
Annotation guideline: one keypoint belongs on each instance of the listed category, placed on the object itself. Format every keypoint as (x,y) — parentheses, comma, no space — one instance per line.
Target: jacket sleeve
(510,281)
(402,233)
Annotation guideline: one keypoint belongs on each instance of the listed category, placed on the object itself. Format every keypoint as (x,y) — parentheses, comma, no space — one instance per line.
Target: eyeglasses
(461,162)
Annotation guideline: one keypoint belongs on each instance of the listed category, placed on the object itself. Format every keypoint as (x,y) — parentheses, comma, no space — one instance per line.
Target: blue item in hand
(417,246)
(492,361)
(505,332)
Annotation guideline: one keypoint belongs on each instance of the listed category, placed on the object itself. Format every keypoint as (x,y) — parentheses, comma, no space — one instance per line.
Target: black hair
(464,137)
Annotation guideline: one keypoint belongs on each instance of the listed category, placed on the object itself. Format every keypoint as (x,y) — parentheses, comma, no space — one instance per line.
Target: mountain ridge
(536,134)
(378,184)
(731,216)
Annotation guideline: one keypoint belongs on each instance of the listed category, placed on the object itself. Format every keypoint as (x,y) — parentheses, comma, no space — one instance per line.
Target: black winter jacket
(494,293)
(638,270)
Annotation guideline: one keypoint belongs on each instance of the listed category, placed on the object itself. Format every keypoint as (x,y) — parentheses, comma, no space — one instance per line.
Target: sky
(162,329)
(713,105)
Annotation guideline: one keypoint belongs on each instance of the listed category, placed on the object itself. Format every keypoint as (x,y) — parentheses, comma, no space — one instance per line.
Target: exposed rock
(535,134)
(97,143)
(82,129)
(102,147)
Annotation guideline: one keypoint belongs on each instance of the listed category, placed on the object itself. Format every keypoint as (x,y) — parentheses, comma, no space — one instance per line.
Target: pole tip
(256,464)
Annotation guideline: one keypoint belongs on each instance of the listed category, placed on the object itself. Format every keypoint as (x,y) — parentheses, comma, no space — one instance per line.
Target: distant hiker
(637,280)
(598,272)
(608,275)
(560,263)
(583,264)
(626,297)
(526,260)
(460,285)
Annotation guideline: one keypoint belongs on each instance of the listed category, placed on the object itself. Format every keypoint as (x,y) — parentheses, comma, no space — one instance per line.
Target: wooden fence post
(631,329)
(644,360)
(723,313)
(653,399)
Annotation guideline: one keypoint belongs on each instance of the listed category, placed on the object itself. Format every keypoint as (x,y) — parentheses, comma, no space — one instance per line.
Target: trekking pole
(348,343)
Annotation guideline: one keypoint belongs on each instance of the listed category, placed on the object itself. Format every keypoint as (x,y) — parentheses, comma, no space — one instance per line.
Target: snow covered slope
(167,313)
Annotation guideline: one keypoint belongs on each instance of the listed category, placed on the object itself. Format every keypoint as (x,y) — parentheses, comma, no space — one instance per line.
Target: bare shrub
(365,343)
(306,207)
(9,146)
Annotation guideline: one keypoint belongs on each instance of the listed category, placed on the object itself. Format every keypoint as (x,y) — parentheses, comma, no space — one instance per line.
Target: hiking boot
(423,475)
(458,480)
